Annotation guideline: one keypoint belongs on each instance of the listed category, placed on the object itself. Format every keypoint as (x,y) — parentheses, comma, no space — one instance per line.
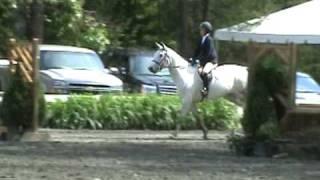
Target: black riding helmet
(206,26)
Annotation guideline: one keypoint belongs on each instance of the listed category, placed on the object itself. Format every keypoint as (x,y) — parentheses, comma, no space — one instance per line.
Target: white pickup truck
(66,69)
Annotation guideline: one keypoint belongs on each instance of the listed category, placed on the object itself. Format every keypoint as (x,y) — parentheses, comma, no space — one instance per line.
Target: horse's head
(160,60)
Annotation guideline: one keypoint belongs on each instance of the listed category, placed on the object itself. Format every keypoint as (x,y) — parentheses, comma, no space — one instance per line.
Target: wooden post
(12,44)
(251,61)
(252,66)
(35,58)
(293,69)
(253,52)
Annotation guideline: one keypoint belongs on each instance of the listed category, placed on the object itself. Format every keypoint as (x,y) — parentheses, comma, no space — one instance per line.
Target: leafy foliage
(67,23)
(309,61)
(17,105)
(260,119)
(6,19)
(138,23)
(136,112)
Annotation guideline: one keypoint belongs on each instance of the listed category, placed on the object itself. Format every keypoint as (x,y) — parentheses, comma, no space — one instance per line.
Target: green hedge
(260,117)
(136,112)
(17,104)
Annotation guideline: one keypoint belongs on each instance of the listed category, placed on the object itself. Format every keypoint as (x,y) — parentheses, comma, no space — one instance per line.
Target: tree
(140,23)
(133,23)
(53,21)
(205,11)
(17,106)
(183,27)
(68,23)
(6,25)
(35,20)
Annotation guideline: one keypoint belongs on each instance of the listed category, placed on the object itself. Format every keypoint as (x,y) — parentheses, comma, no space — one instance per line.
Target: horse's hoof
(174,137)
(205,137)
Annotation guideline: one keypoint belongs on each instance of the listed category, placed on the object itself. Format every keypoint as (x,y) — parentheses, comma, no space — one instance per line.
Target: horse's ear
(158,45)
(163,45)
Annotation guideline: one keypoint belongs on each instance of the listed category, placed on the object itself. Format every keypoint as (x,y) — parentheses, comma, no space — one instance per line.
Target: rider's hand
(192,61)
(197,62)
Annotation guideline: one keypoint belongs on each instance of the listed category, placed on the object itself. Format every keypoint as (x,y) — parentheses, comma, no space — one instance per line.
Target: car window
(307,84)
(69,60)
(140,66)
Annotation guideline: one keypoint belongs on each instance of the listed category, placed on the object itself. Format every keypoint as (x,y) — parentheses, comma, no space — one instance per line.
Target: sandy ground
(141,155)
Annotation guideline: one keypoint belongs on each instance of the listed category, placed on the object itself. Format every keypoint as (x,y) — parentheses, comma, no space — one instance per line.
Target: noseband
(161,62)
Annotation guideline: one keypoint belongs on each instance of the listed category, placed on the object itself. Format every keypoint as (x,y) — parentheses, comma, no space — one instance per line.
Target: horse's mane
(177,56)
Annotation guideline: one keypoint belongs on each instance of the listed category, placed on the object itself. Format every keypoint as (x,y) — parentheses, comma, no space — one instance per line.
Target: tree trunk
(183,29)
(35,20)
(184,33)
(205,10)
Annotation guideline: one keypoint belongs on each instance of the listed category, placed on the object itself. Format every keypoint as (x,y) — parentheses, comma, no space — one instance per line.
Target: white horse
(226,79)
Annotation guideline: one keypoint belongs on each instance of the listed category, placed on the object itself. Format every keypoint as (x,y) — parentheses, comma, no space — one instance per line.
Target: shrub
(308,60)
(17,104)
(260,118)
(136,112)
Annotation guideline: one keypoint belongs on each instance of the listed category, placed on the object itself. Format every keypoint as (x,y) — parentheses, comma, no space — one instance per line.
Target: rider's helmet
(206,26)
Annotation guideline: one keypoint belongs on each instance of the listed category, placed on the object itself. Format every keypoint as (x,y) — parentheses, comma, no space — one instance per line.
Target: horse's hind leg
(204,129)
(202,124)
(176,132)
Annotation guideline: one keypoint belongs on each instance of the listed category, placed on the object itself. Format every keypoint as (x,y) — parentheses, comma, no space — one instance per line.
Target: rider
(206,54)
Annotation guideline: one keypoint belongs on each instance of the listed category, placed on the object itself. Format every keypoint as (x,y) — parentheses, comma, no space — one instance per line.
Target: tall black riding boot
(205,80)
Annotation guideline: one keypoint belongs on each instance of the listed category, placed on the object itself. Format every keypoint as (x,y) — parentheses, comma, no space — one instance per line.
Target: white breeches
(209,67)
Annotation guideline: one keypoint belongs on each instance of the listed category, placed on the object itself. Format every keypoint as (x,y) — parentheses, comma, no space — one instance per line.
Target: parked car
(135,74)
(307,90)
(65,69)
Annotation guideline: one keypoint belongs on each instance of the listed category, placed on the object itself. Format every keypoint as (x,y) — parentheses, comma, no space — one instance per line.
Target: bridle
(164,59)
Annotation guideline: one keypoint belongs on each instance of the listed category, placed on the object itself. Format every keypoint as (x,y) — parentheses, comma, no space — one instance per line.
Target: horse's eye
(161,55)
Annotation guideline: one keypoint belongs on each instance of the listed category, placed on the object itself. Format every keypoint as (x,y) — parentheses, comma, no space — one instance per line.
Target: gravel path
(141,155)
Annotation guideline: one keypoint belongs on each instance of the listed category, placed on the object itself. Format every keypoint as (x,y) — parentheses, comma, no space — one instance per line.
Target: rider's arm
(210,51)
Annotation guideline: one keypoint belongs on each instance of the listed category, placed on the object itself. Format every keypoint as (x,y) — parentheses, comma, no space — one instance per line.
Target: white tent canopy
(299,25)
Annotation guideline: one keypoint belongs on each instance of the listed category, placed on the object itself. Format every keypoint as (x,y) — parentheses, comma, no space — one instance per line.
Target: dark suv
(133,70)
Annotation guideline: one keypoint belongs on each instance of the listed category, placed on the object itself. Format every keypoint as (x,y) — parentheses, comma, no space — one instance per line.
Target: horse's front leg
(186,107)
(201,123)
